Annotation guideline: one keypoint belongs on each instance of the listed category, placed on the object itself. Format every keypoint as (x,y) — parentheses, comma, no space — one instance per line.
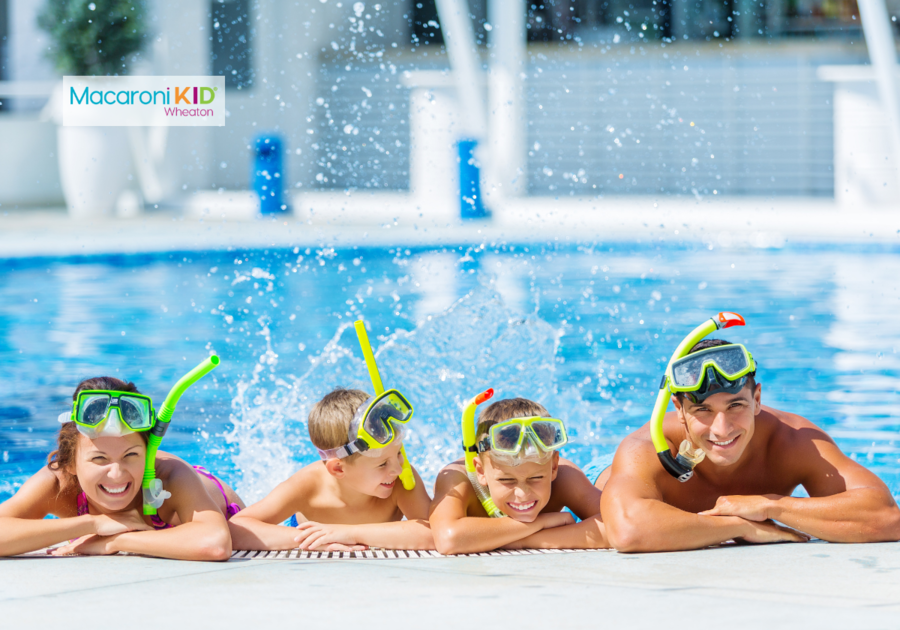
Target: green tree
(94,37)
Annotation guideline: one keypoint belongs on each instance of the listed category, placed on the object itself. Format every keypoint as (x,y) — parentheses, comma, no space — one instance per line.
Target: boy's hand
(555,519)
(314,536)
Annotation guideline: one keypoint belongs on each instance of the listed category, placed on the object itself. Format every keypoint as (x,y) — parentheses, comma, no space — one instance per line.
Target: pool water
(586,330)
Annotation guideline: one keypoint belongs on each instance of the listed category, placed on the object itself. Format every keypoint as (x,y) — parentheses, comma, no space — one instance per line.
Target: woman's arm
(23,527)
(203,534)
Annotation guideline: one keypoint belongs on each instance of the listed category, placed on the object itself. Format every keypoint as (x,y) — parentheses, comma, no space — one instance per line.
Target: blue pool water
(586,330)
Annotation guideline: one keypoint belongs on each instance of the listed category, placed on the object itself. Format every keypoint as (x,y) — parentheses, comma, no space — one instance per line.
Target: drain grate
(389,554)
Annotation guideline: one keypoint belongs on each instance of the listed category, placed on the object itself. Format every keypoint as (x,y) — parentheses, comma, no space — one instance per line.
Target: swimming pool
(585,329)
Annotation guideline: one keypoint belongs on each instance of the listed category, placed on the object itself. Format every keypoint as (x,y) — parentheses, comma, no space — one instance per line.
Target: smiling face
(522,491)
(372,475)
(110,470)
(722,425)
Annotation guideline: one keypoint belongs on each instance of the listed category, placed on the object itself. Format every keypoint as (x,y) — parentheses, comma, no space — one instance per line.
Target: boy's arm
(637,518)
(414,534)
(847,502)
(573,490)
(588,534)
(413,503)
(455,532)
(258,526)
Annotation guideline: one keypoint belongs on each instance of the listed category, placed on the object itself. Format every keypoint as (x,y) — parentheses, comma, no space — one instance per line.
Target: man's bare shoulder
(790,430)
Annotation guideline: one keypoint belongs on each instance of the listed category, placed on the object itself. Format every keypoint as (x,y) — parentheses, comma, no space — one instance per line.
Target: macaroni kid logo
(144,101)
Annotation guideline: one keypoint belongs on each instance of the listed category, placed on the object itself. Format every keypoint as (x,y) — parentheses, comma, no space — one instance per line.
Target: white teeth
(522,507)
(115,489)
(723,443)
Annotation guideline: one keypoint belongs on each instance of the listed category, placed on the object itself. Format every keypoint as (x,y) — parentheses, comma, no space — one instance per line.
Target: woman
(92,483)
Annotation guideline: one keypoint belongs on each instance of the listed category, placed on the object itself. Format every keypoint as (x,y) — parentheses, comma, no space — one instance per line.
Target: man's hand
(314,536)
(550,520)
(750,507)
(769,532)
(91,545)
(112,524)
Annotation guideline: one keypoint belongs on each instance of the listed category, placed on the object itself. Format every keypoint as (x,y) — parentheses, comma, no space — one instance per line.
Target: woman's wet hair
(62,460)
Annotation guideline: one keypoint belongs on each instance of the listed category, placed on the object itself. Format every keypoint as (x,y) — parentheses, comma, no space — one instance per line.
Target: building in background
(699,97)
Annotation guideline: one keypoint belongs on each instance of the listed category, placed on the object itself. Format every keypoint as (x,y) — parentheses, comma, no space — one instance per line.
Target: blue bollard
(268,174)
(471,205)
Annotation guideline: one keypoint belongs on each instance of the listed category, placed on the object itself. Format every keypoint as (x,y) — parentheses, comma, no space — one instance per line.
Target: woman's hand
(92,545)
(314,536)
(112,524)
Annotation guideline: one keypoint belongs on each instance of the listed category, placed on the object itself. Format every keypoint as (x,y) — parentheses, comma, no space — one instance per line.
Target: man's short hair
(703,344)
(329,419)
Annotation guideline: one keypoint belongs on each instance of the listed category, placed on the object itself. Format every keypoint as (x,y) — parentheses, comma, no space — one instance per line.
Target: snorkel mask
(715,370)
(376,424)
(510,443)
(109,413)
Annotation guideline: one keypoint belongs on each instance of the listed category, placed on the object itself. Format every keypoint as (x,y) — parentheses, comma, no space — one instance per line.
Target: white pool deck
(220,221)
(808,585)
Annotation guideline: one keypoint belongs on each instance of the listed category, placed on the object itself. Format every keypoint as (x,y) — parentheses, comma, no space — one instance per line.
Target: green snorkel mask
(720,369)
(387,407)
(109,413)
(154,495)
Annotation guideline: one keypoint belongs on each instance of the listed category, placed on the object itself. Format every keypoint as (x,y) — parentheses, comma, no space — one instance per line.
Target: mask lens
(389,409)
(505,438)
(550,434)
(732,361)
(135,412)
(93,409)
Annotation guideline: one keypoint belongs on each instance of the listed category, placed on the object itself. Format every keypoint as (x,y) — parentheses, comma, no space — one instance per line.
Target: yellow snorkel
(469,437)
(682,465)
(406,474)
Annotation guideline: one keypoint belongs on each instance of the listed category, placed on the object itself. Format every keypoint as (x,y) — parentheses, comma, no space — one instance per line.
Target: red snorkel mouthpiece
(480,398)
(726,319)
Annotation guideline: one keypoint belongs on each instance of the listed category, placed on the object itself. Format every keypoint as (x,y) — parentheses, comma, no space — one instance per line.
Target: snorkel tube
(154,495)
(469,437)
(682,466)
(406,474)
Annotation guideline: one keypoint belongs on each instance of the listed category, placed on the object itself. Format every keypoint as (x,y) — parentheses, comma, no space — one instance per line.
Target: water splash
(476,343)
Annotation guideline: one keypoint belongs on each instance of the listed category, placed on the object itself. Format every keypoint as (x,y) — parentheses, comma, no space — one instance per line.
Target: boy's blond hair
(507,409)
(329,419)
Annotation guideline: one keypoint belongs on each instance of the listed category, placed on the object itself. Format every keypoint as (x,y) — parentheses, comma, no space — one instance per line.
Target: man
(751,458)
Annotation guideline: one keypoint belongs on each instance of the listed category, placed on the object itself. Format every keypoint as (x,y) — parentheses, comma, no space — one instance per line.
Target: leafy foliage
(94,37)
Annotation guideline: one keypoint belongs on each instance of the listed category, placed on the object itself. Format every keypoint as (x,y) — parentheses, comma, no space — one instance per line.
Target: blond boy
(342,503)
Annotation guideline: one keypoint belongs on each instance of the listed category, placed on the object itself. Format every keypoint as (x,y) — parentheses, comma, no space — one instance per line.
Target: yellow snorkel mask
(377,423)
(471,450)
(697,377)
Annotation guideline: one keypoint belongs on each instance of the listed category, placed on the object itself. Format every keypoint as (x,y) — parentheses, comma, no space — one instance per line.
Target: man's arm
(637,519)
(847,502)
(455,532)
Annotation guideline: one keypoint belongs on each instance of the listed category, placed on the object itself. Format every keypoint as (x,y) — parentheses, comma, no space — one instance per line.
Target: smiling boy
(751,459)
(351,499)
(531,487)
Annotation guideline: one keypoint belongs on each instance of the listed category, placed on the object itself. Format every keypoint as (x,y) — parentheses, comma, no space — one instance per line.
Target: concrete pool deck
(802,585)
(219,221)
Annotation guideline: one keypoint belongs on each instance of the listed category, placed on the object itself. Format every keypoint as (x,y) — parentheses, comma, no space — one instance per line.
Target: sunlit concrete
(805,585)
